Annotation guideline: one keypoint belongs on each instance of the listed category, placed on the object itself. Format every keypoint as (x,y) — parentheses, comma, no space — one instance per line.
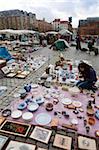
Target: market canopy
(19,32)
(65,32)
(52,32)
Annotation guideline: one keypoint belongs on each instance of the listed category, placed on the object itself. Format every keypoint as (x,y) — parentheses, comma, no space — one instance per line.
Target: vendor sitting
(88,74)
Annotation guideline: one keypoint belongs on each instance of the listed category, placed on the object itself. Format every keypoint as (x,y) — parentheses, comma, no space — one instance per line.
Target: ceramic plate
(16,95)
(74,121)
(77,104)
(22,106)
(22,91)
(43,119)
(16,114)
(3,88)
(66,101)
(27,116)
(34,86)
(33,107)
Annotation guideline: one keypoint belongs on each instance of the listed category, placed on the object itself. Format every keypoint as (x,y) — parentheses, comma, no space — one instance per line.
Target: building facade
(43,26)
(16,19)
(88,27)
(60,25)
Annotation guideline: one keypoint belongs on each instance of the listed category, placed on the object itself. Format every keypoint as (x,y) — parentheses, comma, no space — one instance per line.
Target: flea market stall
(43,110)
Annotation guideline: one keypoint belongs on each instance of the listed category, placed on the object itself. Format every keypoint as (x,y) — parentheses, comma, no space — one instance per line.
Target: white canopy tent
(65,32)
(18,32)
(52,32)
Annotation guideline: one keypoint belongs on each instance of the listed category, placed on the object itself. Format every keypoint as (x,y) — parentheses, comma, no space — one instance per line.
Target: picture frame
(2,119)
(61,141)
(20,145)
(86,143)
(3,140)
(41,134)
(15,128)
(39,148)
(5,70)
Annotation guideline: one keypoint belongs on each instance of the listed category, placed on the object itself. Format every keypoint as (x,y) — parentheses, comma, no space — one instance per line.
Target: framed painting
(3,140)
(86,143)
(63,142)
(15,145)
(41,134)
(15,128)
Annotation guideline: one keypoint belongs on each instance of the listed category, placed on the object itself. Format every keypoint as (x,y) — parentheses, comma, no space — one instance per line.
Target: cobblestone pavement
(14,84)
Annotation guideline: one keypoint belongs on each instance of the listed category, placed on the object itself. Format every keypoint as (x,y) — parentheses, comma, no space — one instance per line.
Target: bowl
(91,120)
(27,116)
(49,106)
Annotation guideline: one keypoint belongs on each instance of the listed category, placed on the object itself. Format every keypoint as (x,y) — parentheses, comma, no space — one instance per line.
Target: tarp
(4,54)
(61,44)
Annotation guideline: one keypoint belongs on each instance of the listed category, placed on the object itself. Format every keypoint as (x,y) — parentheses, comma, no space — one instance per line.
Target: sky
(51,9)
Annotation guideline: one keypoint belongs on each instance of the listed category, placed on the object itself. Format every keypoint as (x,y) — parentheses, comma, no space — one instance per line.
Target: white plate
(66,101)
(3,88)
(43,119)
(74,121)
(27,116)
(77,104)
(16,114)
(34,86)
(33,107)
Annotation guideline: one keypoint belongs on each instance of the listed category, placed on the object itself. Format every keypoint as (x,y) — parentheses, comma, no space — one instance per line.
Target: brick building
(43,26)
(90,26)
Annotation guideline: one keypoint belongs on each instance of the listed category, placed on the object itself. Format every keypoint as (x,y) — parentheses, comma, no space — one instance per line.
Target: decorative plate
(16,114)
(43,119)
(27,116)
(32,107)
(34,86)
(22,106)
(16,95)
(66,101)
(77,104)
(74,121)
(3,88)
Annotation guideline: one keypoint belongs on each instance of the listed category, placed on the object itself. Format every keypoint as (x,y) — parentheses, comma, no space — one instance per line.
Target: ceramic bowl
(27,116)
(49,106)
(33,107)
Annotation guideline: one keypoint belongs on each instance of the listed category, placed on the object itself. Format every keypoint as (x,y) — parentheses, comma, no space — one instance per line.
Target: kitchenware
(66,101)
(27,116)
(16,114)
(49,106)
(6,112)
(43,119)
(32,106)
(22,106)
(77,104)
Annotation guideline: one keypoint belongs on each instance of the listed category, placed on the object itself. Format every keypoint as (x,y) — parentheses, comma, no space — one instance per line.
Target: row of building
(18,20)
(88,27)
